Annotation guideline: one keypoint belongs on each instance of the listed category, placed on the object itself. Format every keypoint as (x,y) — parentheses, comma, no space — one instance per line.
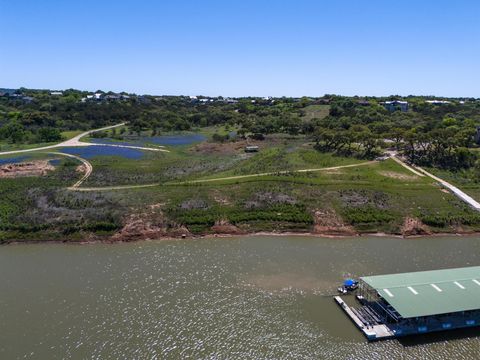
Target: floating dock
(371,332)
(390,306)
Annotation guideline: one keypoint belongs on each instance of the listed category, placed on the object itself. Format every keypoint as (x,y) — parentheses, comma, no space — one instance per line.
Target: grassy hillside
(367,197)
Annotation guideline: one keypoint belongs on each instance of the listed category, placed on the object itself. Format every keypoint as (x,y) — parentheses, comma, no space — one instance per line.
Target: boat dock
(390,306)
(372,332)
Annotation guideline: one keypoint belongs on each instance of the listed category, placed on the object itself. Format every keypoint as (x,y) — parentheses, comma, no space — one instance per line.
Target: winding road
(76,142)
(88,168)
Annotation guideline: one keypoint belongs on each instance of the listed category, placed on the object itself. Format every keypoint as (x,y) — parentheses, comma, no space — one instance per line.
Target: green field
(373,197)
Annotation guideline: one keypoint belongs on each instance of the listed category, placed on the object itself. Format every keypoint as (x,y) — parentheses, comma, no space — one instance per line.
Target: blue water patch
(12,160)
(176,140)
(168,140)
(111,141)
(55,162)
(89,152)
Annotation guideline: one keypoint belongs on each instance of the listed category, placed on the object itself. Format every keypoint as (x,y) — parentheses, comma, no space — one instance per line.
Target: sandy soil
(396,175)
(29,168)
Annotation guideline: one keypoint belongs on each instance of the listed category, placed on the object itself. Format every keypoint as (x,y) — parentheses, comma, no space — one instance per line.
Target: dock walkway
(371,332)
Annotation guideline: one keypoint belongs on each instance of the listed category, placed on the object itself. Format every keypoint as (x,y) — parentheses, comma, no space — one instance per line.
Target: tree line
(432,135)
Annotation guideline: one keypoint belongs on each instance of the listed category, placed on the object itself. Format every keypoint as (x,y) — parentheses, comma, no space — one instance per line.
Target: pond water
(243,298)
(12,160)
(55,162)
(89,152)
(167,140)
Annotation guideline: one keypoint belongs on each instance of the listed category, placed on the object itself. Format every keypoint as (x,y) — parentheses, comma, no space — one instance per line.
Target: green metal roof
(427,293)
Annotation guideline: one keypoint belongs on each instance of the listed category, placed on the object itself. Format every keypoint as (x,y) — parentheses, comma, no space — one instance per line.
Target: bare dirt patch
(359,198)
(224,227)
(268,198)
(220,198)
(327,222)
(81,169)
(397,175)
(413,226)
(150,224)
(30,168)
(223,148)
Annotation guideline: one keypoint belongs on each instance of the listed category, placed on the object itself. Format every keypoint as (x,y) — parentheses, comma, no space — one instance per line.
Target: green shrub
(367,215)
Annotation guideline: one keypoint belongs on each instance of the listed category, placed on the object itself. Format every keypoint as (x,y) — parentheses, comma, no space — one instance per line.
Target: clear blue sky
(243,47)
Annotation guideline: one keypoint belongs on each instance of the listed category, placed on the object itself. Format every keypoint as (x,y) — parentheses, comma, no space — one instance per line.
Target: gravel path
(75,142)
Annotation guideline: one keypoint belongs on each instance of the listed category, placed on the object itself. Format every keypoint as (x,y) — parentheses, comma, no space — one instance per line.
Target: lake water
(241,298)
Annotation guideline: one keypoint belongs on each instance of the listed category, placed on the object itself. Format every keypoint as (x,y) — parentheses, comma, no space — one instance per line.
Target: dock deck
(371,332)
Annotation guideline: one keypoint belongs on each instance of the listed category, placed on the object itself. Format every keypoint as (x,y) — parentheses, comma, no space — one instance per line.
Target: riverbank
(96,239)
(199,193)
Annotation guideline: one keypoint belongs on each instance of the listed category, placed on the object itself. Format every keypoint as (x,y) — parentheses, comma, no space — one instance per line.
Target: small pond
(89,152)
(12,160)
(167,140)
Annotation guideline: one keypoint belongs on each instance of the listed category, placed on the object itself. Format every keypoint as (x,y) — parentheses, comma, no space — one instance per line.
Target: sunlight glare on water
(244,298)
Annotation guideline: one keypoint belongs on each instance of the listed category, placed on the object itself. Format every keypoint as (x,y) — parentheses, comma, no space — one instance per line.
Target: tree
(14,132)
(48,134)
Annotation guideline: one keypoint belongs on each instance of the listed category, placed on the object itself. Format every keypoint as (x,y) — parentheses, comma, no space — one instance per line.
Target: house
(113,97)
(396,105)
(437,102)
(56,93)
(143,99)
(27,99)
(21,97)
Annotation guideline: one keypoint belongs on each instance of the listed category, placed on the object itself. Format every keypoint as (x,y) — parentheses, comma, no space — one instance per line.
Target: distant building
(105,97)
(115,97)
(437,102)
(396,105)
(143,99)
(21,97)
(206,100)
(27,99)
(56,93)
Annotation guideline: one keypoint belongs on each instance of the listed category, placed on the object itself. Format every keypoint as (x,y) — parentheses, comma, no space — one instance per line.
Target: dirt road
(75,142)
(125,187)
(273,173)
(456,191)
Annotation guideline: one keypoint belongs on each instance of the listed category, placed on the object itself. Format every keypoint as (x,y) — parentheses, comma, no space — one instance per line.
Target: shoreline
(100,240)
